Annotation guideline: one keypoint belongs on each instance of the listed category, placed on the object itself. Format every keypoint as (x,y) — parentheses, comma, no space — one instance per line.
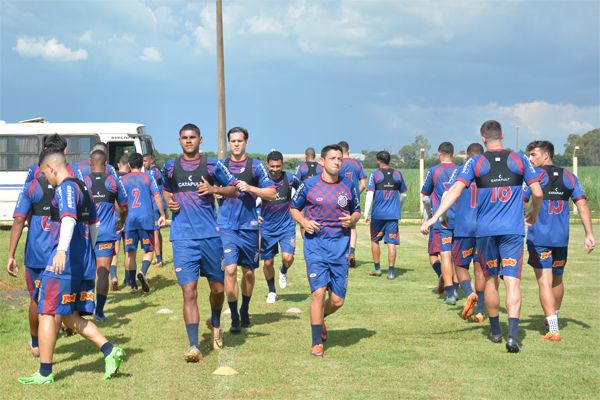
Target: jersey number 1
(555,206)
(502,193)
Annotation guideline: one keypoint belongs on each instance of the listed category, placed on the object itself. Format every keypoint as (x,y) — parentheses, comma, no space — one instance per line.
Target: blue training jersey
(140,189)
(387,184)
(196,218)
(71,201)
(35,172)
(39,242)
(240,212)
(276,213)
(106,190)
(305,170)
(435,185)
(353,170)
(463,218)
(499,175)
(552,226)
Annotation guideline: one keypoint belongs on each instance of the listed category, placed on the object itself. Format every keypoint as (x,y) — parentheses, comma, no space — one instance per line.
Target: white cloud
(50,50)
(151,54)
(124,38)
(262,25)
(86,37)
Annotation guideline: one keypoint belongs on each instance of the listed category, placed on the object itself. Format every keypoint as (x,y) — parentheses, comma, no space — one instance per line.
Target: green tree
(589,147)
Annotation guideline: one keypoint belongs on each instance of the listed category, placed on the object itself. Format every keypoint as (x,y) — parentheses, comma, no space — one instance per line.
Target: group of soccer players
(476,213)
(77,213)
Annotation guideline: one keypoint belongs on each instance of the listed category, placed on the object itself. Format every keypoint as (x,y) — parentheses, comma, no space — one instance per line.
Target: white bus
(21,144)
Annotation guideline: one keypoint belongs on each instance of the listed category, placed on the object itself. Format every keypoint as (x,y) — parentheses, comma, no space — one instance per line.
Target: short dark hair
(98,157)
(344,145)
(543,145)
(330,147)
(149,155)
(124,159)
(475,148)
(237,129)
(491,130)
(383,156)
(49,151)
(136,161)
(56,141)
(310,152)
(101,144)
(190,127)
(275,156)
(446,148)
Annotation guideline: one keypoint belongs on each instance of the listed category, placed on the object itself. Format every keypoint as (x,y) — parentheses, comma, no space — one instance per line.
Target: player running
(386,191)
(190,185)
(67,283)
(238,221)
(353,170)
(153,171)
(548,239)
(499,175)
(139,225)
(332,206)
(277,226)
(105,191)
(122,170)
(432,191)
(308,168)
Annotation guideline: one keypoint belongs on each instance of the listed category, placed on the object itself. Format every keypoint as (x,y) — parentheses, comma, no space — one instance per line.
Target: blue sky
(300,73)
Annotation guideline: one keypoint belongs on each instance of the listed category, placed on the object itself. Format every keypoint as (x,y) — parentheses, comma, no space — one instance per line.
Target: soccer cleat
(352,261)
(144,282)
(469,306)
(133,290)
(324,333)
(112,362)
(496,338)
(375,272)
(217,339)
(512,345)
(440,286)
(236,327)
(159,264)
(450,300)
(100,318)
(391,275)
(271,297)
(115,285)
(36,379)
(317,350)
(479,318)
(552,337)
(282,280)
(193,355)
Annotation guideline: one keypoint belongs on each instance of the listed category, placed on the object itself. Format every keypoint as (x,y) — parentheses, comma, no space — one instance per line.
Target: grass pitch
(393,339)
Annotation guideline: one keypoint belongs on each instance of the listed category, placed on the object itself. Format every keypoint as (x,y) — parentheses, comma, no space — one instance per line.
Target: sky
(304,73)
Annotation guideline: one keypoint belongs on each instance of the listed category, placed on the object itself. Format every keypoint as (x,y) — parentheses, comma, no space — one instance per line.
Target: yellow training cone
(225,371)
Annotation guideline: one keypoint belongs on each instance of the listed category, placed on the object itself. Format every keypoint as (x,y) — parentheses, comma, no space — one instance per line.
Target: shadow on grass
(536,323)
(347,337)
(97,366)
(293,297)
(81,347)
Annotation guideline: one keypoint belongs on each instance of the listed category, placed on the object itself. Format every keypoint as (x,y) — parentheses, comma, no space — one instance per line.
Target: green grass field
(393,339)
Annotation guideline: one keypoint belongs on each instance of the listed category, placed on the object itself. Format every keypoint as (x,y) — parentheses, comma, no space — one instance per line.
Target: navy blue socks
(316,333)
(145,266)
(437,267)
(192,332)
(106,349)
(495,325)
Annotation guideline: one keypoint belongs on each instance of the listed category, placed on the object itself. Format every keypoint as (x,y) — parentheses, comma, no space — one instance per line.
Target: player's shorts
(440,240)
(132,238)
(548,257)
(65,296)
(501,255)
(33,277)
(240,247)
(285,239)
(194,258)
(325,274)
(385,229)
(104,249)
(463,251)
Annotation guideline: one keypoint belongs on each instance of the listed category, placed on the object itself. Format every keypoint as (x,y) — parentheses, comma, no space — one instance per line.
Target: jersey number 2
(136,198)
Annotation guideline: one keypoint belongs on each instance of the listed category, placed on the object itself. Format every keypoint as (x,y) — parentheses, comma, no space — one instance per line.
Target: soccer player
(54,141)
(353,170)
(154,172)
(67,283)
(238,222)
(84,168)
(308,168)
(190,185)
(386,191)
(139,225)
(331,204)
(105,191)
(548,239)
(499,175)
(433,189)
(463,245)
(277,226)
(122,170)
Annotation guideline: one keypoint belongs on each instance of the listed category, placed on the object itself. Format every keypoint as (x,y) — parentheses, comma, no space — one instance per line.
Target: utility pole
(222,143)
(421,174)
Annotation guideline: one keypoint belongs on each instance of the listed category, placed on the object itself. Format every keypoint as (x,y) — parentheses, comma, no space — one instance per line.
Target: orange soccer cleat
(317,350)
(552,337)
(469,306)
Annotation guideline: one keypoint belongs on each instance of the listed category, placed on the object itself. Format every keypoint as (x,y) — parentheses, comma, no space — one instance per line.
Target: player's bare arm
(15,234)
(172,204)
(268,193)
(205,188)
(159,203)
(536,203)
(309,226)
(450,198)
(586,220)
(350,220)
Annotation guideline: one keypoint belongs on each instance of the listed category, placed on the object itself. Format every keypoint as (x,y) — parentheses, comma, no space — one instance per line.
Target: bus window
(78,147)
(18,153)
(117,149)
(147,146)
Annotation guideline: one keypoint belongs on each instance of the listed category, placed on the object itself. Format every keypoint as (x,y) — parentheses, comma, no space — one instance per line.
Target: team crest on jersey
(509,262)
(342,200)
(45,221)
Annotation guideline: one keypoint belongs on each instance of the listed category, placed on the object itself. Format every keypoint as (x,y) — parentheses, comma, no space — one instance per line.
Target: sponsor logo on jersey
(545,254)
(226,251)
(499,179)
(313,275)
(556,192)
(559,263)
(467,253)
(492,264)
(188,183)
(128,241)
(68,298)
(146,241)
(446,240)
(178,269)
(105,246)
(84,296)
(509,262)
(393,235)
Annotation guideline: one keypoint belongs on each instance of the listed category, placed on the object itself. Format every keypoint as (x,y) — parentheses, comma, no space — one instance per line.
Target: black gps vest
(388,182)
(284,192)
(83,209)
(312,170)
(188,181)
(246,175)
(499,175)
(556,189)
(44,207)
(99,191)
